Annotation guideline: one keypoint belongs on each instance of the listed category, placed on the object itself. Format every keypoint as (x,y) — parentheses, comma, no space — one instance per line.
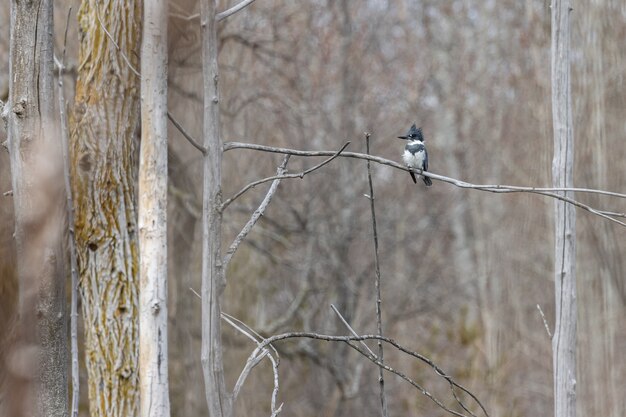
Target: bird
(415,154)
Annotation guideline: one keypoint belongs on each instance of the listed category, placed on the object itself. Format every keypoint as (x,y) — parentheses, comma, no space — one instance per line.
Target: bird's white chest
(415,160)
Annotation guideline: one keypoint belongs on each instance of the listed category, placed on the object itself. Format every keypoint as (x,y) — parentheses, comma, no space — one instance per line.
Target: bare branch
(229,12)
(250,363)
(492,188)
(187,136)
(349,341)
(545,322)
(253,361)
(284,176)
(452,385)
(354,333)
(256,215)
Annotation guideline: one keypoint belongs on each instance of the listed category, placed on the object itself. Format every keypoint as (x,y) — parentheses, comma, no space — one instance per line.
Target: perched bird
(415,154)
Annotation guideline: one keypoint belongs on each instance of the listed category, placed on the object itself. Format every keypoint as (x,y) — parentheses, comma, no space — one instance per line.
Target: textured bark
(213,281)
(564,340)
(153,353)
(36,360)
(102,153)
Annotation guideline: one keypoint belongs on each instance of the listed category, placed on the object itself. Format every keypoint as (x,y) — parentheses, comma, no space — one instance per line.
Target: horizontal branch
(492,188)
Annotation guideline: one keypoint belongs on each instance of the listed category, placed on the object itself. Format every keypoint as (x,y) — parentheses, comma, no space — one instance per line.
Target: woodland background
(462,271)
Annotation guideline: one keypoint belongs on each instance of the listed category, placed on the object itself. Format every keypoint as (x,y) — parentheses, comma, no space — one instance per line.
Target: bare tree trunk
(103,158)
(153,354)
(213,280)
(564,340)
(38,357)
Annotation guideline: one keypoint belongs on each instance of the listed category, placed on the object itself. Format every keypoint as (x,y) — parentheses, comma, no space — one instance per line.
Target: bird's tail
(427,181)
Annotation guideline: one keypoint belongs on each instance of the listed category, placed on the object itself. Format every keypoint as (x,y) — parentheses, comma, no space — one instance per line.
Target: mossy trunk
(103,159)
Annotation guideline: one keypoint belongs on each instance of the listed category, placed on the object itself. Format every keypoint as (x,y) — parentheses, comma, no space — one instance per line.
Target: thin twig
(237,7)
(545,322)
(379,322)
(72,237)
(611,213)
(284,176)
(256,215)
(195,292)
(492,188)
(351,330)
(116,45)
(187,136)
(251,331)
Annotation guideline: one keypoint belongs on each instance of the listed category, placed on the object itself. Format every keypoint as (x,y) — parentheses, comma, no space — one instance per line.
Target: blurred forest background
(462,271)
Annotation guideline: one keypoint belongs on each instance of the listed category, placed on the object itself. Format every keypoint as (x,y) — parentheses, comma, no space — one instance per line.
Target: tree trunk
(153,356)
(564,340)
(37,358)
(213,281)
(103,181)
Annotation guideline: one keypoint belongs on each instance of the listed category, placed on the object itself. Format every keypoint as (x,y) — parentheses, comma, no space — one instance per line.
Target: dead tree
(564,339)
(153,352)
(37,358)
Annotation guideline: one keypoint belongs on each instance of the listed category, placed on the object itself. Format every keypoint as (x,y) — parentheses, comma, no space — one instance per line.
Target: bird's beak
(403,137)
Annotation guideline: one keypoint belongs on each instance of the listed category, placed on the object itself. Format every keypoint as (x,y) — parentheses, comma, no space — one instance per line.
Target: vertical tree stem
(379,322)
(72,237)
(38,356)
(152,214)
(213,281)
(103,165)
(564,340)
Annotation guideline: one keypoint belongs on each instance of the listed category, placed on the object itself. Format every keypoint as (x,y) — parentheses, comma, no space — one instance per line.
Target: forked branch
(284,176)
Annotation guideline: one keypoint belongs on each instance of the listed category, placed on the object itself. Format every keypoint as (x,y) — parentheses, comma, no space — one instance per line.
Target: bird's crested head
(414,133)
